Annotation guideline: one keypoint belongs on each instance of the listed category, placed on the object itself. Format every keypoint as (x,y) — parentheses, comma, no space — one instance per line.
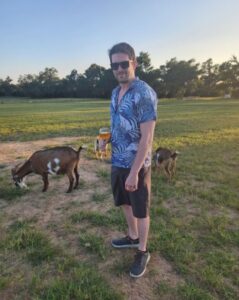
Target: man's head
(123,62)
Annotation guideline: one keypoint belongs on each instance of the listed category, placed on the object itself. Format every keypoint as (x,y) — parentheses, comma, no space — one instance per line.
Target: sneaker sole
(141,274)
(124,246)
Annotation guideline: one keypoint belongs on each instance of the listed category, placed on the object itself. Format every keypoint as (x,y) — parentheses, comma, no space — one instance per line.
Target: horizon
(64,36)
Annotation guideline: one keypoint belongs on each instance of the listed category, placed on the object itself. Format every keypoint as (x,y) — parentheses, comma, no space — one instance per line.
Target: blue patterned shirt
(138,105)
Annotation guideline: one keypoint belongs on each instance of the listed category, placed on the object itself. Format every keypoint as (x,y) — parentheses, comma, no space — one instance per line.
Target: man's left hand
(131,183)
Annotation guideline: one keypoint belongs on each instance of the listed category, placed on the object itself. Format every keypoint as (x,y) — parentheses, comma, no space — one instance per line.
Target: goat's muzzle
(19,183)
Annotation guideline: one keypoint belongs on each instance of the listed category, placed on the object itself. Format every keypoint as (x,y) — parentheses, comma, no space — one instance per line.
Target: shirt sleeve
(147,107)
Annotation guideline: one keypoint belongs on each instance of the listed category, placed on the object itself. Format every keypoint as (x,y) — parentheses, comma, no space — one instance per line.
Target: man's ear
(135,63)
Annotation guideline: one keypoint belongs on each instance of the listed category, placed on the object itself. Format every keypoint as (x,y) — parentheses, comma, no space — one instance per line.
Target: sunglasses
(123,64)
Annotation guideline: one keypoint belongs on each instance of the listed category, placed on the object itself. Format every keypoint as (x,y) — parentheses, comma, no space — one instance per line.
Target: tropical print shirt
(138,105)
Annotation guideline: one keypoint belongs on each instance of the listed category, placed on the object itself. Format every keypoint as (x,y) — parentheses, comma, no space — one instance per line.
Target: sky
(73,34)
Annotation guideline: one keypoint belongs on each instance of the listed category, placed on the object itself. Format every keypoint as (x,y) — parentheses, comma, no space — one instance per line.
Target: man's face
(126,71)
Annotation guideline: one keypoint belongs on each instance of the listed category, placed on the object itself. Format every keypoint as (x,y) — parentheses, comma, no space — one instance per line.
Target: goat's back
(65,156)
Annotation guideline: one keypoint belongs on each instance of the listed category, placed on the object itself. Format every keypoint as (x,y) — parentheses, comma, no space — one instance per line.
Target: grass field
(57,246)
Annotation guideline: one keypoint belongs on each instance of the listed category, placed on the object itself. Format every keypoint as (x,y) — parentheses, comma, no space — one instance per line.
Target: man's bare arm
(147,133)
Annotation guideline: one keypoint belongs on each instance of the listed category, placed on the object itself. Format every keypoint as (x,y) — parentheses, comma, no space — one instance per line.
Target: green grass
(121,267)
(8,191)
(94,244)
(35,244)
(103,174)
(114,218)
(22,120)
(54,274)
(96,197)
(82,283)
(194,219)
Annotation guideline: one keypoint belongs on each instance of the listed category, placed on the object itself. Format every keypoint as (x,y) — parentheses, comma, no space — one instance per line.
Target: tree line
(177,78)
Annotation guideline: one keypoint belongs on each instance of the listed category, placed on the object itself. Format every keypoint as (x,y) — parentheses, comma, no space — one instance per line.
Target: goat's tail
(83,147)
(175,154)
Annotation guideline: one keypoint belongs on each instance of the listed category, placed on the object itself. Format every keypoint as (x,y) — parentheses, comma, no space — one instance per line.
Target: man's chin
(123,80)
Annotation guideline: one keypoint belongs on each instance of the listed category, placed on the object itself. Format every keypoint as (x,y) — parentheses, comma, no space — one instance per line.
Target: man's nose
(120,68)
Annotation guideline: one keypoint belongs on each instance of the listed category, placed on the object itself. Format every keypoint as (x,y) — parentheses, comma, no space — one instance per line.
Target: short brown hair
(122,48)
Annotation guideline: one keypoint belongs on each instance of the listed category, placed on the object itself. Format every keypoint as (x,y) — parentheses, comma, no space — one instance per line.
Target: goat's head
(163,155)
(18,180)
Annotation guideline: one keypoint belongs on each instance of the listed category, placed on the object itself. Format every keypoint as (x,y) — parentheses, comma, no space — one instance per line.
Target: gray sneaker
(125,242)
(141,260)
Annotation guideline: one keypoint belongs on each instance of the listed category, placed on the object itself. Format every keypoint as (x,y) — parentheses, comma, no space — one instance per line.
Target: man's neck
(125,86)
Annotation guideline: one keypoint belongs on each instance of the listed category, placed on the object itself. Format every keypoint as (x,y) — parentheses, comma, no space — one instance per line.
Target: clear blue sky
(68,34)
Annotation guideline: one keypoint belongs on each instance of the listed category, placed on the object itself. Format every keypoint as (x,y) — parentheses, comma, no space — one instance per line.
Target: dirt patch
(158,270)
(51,213)
(10,151)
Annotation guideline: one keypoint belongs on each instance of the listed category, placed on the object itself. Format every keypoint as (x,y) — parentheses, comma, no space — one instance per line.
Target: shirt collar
(132,84)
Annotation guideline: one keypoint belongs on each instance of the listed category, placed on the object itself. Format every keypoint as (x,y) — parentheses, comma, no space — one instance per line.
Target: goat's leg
(167,172)
(71,181)
(45,181)
(77,177)
(173,168)
(158,167)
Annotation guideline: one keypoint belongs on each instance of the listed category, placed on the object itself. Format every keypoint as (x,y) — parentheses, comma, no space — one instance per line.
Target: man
(133,116)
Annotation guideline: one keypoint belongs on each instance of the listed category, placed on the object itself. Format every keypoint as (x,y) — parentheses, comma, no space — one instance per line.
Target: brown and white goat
(165,160)
(58,160)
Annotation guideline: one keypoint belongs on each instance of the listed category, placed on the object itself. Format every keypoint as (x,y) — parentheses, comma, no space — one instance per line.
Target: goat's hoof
(69,191)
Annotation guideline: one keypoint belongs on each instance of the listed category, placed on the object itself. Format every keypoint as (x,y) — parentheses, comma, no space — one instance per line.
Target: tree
(229,76)
(146,72)
(144,63)
(29,86)
(208,79)
(6,87)
(107,83)
(178,77)
(173,79)
(94,75)
(49,82)
(69,84)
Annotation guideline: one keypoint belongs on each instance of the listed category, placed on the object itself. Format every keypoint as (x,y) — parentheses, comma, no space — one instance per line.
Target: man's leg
(138,227)
(143,230)
(131,240)
(142,256)
(140,205)
(131,221)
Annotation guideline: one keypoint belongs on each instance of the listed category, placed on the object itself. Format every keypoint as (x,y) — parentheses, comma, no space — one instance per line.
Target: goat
(57,160)
(166,160)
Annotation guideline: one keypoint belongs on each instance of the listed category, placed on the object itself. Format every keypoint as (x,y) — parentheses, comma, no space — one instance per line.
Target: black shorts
(139,199)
